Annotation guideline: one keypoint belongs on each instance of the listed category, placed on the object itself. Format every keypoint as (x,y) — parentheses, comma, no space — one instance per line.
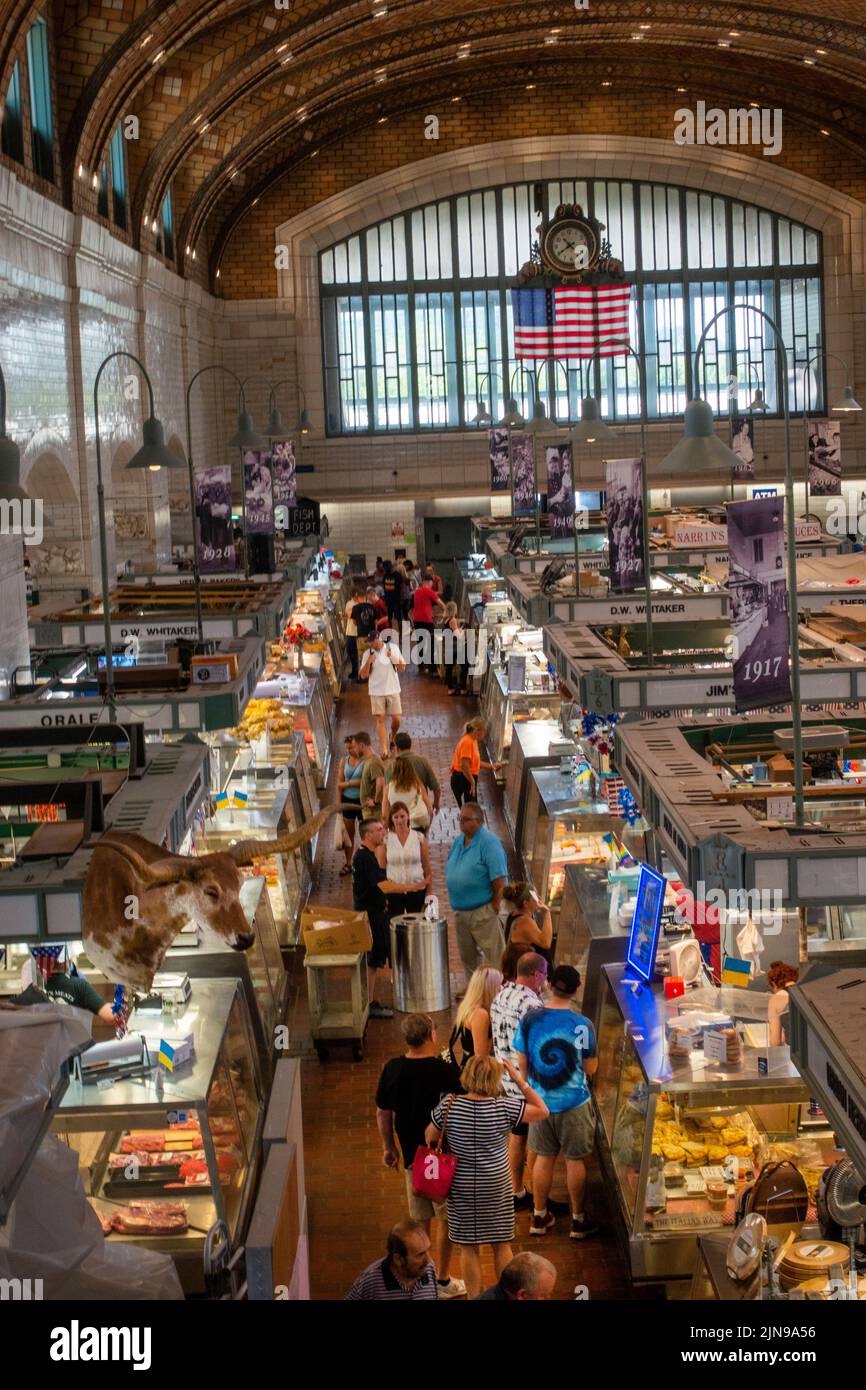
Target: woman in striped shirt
(477,1126)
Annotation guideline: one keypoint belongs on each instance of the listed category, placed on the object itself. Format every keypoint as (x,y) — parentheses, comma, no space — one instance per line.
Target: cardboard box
(350,933)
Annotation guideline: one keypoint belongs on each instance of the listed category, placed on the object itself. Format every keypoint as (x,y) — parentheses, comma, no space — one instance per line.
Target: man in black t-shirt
(392,588)
(409,1087)
(370,887)
(75,990)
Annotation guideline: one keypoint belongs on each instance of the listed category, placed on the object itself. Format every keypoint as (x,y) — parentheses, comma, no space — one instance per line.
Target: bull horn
(168,870)
(247,851)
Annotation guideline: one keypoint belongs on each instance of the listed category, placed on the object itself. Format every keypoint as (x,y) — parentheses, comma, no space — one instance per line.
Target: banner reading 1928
(213,516)
(759,602)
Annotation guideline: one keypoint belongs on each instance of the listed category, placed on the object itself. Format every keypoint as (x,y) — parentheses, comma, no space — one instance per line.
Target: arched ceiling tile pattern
(216,85)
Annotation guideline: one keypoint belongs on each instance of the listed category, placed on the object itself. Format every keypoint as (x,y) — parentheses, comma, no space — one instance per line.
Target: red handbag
(432,1170)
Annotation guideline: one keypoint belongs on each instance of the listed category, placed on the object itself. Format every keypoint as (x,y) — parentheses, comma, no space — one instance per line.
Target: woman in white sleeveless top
(405,857)
(405,785)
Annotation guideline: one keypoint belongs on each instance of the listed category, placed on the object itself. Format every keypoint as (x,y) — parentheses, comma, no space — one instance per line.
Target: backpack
(364,616)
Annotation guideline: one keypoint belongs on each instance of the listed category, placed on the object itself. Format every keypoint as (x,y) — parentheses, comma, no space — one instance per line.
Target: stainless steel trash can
(419,959)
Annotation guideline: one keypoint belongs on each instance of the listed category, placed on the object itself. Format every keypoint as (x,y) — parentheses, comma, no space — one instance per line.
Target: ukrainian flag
(239,798)
(165,1056)
(221,800)
(736,972)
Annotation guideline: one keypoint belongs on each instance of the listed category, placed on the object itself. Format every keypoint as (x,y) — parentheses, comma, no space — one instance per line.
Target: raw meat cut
(150,1219)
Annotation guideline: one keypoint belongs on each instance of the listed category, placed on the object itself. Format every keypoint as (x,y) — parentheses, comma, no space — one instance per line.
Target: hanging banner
(560,489)
(259,494)
(825,458)
(500,473)
(523,466)
(624,509)
(744,448)
(213,516)
(285,480)
(759,603)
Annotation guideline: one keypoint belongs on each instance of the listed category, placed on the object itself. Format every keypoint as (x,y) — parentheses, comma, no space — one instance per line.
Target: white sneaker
(455,1288)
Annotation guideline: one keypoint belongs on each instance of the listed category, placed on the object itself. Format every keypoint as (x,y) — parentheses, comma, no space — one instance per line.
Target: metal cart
(339,1007)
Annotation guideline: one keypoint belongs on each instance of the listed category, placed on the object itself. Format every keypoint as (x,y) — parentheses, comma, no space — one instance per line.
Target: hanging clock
(571,242)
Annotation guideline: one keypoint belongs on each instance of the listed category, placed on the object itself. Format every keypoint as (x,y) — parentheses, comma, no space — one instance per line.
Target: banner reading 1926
(759,602)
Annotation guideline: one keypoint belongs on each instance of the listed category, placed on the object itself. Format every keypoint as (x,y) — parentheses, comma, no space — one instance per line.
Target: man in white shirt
(382,661)
(512,1003)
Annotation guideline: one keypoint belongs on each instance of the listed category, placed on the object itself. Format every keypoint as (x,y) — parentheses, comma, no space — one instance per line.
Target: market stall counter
(519,694)
(672,1118)
(531,743)
(165,1154)
(590,935)
(567,822)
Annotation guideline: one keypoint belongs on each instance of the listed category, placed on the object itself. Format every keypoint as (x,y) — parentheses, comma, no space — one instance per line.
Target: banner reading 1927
(624,510)
(759,603)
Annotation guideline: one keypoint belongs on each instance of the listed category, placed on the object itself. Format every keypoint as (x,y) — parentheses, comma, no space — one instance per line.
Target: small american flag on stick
(574,321)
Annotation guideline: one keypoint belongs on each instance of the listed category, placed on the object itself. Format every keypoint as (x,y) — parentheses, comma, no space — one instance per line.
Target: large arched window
(416,310)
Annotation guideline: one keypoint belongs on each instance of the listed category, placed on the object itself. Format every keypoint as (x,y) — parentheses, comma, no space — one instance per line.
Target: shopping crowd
(510,1091)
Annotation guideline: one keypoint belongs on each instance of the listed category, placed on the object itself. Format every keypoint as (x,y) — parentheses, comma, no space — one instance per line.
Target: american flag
(575,321)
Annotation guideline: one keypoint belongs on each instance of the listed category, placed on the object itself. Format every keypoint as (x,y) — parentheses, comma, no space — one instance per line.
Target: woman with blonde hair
(472,1024)
(477,1126)
(405,785)
(467,762)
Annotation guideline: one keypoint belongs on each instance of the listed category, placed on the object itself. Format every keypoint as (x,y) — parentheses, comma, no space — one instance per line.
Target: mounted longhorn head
(137,898)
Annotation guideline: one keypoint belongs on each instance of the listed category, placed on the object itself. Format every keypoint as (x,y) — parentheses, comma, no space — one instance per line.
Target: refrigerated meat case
(645,1099)
(220,1089)
(505,708)
(270,810)
(566,823)
(260,970)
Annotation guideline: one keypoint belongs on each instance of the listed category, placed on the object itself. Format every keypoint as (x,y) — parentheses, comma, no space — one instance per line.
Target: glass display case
(308,703)
(318,614)
(260,969)
(509,707)
(162,1160)
(530,744)
(680,1120)
(588,937)
(472,577)
(269,811)
(565,824)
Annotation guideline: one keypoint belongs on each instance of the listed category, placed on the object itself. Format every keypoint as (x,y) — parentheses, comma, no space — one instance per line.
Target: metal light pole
(791,547)
(196,563)
(848,405)
(622,343)
(758,403)
(152,455)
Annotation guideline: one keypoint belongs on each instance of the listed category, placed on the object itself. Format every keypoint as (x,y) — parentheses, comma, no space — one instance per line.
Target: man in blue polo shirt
(475,875)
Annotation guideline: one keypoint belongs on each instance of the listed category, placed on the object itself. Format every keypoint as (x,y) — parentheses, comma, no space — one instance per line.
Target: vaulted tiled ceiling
(231,96)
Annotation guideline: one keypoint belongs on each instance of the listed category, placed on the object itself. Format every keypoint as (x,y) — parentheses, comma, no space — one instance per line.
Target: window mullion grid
(368,336)
(414,403)
(457,301)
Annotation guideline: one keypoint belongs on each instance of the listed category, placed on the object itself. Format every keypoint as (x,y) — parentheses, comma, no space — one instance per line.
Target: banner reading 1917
(759,603)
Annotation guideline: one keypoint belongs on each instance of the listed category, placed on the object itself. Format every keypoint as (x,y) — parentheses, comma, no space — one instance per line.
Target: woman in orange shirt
(467,762)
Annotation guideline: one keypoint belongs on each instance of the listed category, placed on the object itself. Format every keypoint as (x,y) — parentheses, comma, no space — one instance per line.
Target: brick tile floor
(353,1199)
